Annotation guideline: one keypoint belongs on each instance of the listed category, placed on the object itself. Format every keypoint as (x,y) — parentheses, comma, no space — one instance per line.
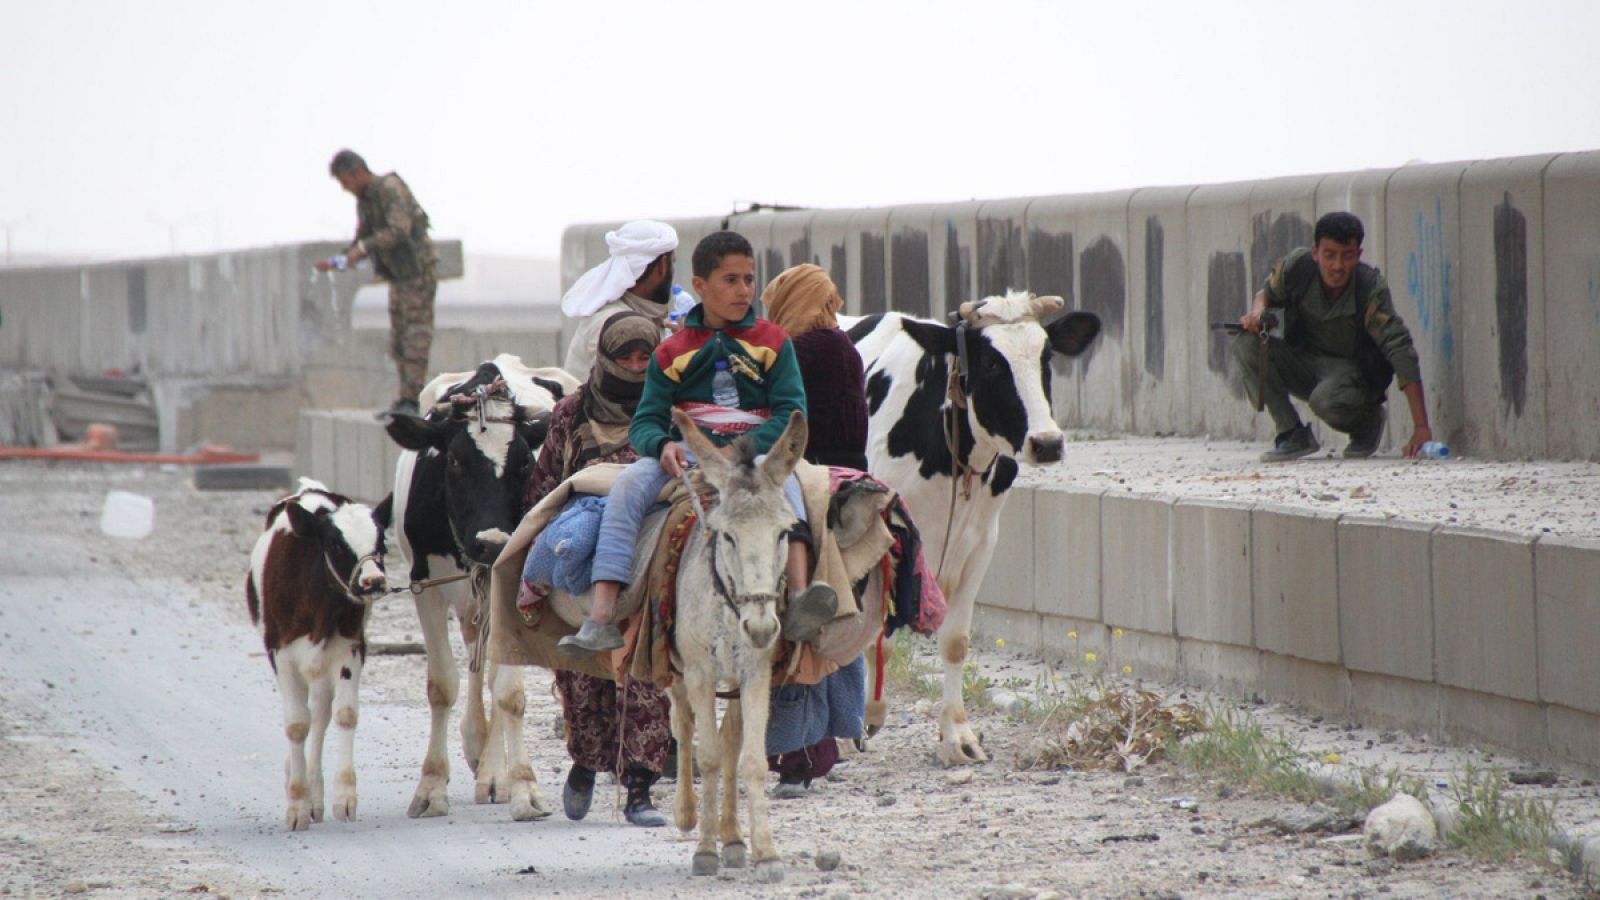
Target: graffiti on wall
(1227,297)
(908,258)
(1002,264)
(1105,284)
(1429,284)
(1511,303)
(1155,337)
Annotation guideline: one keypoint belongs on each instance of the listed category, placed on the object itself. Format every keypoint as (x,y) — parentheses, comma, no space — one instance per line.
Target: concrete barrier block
(372,478)
(1211,571)
(1225,666)
(1572,305)
(1502,238)
(869,256)
(757,229)
(1322,687)
(1069,640)
(1140,654)
(1020,630)
(1009,581)
(347,452)
(1002,251)
(1469,716)
(955,228)
(1423,246)
(915,255)
(302,444)
(790,239)
(1567,608)
(1383,701)
(1483,612)
(323,447)
(1295,574)
(831,249)
(1135,539)
(1066,554)
(1363,193)
(1573,735)
(1159,337)
(1220,286)
(1386,597)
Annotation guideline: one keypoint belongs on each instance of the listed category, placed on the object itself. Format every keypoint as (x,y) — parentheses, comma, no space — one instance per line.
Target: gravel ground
(97,801)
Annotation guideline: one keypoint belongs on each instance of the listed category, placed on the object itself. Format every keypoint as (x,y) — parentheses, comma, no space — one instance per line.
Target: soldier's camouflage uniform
(1333,358)
(393,229)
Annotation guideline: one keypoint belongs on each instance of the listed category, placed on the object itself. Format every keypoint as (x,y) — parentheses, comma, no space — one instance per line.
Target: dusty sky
(134,128)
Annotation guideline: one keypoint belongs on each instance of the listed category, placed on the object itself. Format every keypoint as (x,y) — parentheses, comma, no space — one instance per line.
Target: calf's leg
(346,706)
(296,725)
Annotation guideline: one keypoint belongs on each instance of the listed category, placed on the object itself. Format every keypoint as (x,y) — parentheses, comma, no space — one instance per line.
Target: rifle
(1268,322)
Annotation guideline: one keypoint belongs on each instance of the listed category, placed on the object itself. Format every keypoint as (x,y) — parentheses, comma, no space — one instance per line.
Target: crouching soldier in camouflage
(1342,345)
(392,229)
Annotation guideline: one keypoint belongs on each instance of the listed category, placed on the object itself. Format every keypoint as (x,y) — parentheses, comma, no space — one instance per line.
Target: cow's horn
(1043,306)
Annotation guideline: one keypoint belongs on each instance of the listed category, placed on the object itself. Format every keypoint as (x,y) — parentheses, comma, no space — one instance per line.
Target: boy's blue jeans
(632,495)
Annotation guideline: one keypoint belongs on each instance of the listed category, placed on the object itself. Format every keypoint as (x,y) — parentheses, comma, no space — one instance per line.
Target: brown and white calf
(313,574)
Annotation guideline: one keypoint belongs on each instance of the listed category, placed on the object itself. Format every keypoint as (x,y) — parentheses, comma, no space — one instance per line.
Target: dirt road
(142,756)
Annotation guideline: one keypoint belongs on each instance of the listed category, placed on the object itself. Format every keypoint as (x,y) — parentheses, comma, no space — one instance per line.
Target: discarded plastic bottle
(723,391)
(682,302)
(127,515)
(340,262)
(1433,450)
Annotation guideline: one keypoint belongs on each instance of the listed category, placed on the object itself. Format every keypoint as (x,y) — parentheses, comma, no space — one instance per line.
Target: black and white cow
(920,404)
(457,498)
(313,573)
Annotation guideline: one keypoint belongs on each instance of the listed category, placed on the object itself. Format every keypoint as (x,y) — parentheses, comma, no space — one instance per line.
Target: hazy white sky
(127,128)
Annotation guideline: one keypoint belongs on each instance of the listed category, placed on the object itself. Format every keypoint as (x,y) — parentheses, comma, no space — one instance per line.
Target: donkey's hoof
(769,871)
(704,864)
(734,855)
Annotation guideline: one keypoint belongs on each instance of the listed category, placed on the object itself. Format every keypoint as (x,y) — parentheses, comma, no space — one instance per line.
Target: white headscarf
(633,247)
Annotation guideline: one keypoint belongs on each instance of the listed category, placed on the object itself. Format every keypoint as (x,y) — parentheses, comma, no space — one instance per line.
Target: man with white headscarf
(637,277)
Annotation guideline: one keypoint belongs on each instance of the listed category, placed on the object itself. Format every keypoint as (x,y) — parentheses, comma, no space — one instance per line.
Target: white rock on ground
(1401,829)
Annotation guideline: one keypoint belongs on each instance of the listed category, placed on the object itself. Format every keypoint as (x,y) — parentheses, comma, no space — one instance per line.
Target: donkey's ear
(710,459)
(786,453)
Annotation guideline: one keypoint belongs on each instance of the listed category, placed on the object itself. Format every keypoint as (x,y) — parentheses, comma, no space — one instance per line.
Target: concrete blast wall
(240,326)
(1494,265)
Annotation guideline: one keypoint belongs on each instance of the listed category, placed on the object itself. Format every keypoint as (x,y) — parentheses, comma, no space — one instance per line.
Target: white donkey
(726,629)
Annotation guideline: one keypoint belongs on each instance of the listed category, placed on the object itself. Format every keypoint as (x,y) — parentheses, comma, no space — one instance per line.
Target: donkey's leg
(703,700)
(733,848)
(683,801)
(346,703)
(296,725)
(527,800)
(432,797)
(753,771)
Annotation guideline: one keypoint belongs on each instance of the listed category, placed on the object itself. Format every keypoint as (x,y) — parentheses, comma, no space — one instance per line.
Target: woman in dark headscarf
(588,427)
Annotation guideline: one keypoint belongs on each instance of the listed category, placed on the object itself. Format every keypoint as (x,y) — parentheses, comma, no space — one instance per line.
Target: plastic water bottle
(1433,450)
(127,515)
(723,391)
(682,302)
(340,262)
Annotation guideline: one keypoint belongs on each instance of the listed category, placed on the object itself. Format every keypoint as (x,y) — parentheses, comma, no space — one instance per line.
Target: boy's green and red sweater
(682,366)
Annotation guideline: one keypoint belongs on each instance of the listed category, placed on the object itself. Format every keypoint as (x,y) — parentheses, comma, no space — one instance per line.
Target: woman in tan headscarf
(804,302)
(587,427)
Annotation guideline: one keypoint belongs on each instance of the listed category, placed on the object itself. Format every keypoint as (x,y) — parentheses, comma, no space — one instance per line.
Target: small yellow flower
(1000,642)
(1117,633)
(1090,657)
(1127,670)
(1073,635)
(1331,758)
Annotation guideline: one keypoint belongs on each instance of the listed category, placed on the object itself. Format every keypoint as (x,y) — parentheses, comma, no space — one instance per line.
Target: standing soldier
(393,230)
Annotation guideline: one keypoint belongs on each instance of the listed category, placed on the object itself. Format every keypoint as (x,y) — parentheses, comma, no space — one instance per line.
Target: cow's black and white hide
(997,415)
(313,572)
(457,497)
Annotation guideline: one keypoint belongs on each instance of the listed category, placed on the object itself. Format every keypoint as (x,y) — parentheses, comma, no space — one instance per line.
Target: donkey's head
(748,530)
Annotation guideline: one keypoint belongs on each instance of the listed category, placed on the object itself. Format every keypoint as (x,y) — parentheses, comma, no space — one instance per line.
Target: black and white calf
(313,572)
(457,497)
(981,387)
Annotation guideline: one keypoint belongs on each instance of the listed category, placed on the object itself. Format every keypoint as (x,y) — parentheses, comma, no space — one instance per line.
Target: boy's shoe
(407,406)
(808,611)
(1292,444)
(591,638)
(1364,443)
(578,792)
